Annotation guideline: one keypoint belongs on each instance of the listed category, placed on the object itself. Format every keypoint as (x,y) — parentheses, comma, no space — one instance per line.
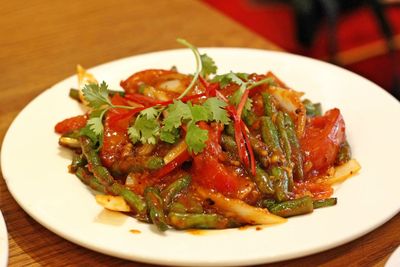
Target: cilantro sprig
(165,123)
(241,79)
(149,128)
(198,65)
(98,99)
(187,113)
(208,65)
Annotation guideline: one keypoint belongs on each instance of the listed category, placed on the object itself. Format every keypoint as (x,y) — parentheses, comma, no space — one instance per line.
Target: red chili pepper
(245,150)
(150,102)
(222,97)
(240,142)
(211,89)
(260,88)
(71,124)
(192,97)
(179,160)
(249,149)
(242,103)
(142,99)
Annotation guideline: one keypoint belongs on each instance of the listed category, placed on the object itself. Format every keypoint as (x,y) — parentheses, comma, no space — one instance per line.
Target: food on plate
(204,150)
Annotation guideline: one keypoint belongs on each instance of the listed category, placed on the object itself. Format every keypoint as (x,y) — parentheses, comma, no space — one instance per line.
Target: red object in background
(356,29)
(273,21)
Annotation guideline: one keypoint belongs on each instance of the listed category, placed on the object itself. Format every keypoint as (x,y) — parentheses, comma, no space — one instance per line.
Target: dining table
(41,41)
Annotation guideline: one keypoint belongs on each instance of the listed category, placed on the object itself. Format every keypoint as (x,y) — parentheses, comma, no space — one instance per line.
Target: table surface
(40,44)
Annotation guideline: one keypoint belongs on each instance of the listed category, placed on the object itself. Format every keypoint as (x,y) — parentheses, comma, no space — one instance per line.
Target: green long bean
(291,207)
(261,178)
(198,221)
(286,146)
(155,208)
(312,109)
(104,177)
(344,154)
(269,134)
(172,190)
(261,151)
(87,178)
(285,143)
(137,164)
(280,181)
(269,107)
(229,144)
(78,160)
(297,156)
(263,181)
(276,171)
(322,203)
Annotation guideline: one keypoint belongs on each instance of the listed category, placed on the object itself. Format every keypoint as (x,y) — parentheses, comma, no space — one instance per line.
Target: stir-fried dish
(204,150)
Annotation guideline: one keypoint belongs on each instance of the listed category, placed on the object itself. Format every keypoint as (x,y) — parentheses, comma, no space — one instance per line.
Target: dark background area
(361,36)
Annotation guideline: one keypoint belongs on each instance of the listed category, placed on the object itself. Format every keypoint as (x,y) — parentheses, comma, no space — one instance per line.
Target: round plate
(35,169)
(394,259)
(3,242)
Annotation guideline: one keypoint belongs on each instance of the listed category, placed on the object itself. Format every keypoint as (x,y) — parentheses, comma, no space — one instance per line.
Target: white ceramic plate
(3,242)
(35,169)
(394,260)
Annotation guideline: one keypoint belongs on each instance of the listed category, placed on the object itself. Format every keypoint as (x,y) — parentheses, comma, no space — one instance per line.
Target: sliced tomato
(320,143)
(149,77)
(171,166)
(115,131)
(209,172)
(119,118)
(71,124)
(317,190)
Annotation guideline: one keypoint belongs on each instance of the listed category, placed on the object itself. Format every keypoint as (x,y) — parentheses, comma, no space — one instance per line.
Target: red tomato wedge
(115,131)
(209,172)
(320,143)
(150,77)
(71,124)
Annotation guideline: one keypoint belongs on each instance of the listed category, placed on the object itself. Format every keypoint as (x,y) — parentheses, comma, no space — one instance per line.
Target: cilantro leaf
(169,136)
(177,112)
(216,107)
(208,65)
(237,95)
(146,127)
(150,113)
(242,75)
(96,95)
(86,131)
(196,138)
(134,134)
(231,77)
(247,107)
(235,100)
(94,127)
(235,79)
(199,113)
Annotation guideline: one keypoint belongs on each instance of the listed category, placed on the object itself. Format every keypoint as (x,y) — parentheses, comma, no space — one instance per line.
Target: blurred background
(360,35)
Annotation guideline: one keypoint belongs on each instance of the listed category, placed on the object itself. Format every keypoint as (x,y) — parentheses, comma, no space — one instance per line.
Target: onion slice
(239,209)
(115,203)
(344,171)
